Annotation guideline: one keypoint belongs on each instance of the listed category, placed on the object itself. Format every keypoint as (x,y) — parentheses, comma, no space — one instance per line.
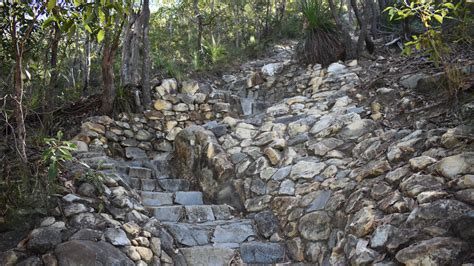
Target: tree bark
(362,21)
(146,89)
(87,65)
(20,129)
(53,84)
(347,40)
(111,44)
(200,22)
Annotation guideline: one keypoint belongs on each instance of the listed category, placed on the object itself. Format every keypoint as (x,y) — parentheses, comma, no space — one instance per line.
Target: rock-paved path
(308,170)
(207,234)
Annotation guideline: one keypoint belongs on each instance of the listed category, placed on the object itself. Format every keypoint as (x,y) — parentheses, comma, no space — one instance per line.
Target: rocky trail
(273,164)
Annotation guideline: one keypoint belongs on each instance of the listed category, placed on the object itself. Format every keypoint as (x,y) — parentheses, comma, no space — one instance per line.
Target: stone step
(191,213)
(174,184)
(188,198)
(101,162)
(151,198)
(230,233)
(159,185)
(262,253)
(208,256)
(156,198)
(84,155)
(140,172)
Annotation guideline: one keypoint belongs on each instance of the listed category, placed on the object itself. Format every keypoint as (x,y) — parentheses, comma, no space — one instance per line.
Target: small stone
(306,170)
(161,105)
(44,239)
(287,187)
(363,222)
(116,237)
(189,86)
(315,226)
(455,165)
(266,222)
(145,253)
(421,162)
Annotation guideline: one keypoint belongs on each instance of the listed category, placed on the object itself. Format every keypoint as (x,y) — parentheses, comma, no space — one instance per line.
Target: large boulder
(199,158)
(84,252)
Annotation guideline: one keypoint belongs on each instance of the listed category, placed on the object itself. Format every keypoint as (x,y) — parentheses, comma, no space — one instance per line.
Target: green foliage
(317,15)
(435,40)
(57,152)
(433,15)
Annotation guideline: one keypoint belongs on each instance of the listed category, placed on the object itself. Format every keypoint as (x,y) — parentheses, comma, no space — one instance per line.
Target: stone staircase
(206,234)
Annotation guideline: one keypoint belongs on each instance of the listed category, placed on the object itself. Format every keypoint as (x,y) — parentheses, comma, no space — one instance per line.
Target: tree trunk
(146,89)
(200,22)
(108,94)
(129,71)
(20,130)
(53,84)
(362,21)
(87,65)
(347,40)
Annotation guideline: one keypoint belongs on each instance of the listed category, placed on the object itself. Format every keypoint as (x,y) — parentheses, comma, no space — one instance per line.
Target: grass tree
(321,44)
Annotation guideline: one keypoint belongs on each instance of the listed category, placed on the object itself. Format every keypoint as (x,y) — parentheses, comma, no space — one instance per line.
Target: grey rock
(44,239)
(157,198)
(265,253)
(188,234)
(320,201)
(236,232)
(135,153)
(84,252)
(287,187)
(116,237)
(266,222)
(140,172)
(435,251)
(357,128)
(87,234)
(174,185)
(212,256)
(188,198)
(315,226)
(306,170)
(282,173)
(199,213)
(168,213)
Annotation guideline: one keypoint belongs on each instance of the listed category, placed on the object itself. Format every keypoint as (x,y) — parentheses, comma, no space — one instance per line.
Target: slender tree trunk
(362,21)
(347,40)
(200,25)
(20,130)
(129,52)
(87,65)
(53,84)
(108,95)
(111,44)
(146,89)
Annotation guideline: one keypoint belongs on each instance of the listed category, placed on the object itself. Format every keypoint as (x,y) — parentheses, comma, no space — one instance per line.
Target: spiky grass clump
(322,44)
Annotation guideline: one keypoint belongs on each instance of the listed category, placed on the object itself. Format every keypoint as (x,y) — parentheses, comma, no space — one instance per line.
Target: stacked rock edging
(324,176)
(101,221)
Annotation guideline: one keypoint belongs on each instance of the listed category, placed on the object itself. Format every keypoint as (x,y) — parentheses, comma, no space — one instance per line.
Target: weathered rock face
(199,158)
